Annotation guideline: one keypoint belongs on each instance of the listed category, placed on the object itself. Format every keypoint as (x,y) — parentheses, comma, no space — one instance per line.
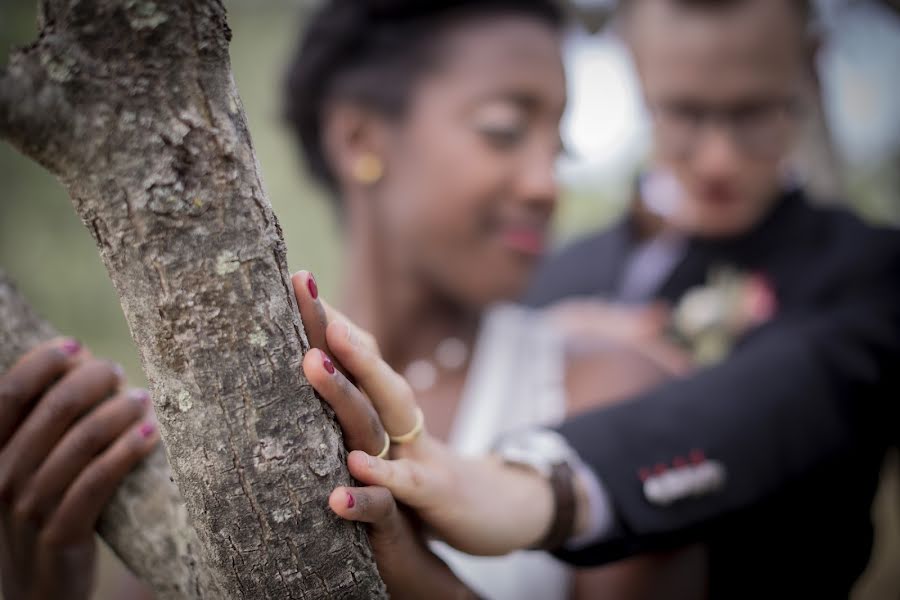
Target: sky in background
(860,65)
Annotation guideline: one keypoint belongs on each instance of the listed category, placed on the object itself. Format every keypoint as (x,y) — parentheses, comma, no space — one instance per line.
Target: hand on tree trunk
(408,567)
(479,506)
(69,433)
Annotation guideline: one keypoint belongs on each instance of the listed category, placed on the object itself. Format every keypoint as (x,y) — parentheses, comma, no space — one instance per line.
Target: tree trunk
(132,105)
(145,523)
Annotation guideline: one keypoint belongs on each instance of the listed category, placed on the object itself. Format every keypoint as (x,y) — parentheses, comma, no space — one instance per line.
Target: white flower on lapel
(712,317)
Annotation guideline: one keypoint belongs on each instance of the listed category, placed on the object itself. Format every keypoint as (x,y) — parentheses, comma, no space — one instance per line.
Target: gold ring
(414,433)
(387,446)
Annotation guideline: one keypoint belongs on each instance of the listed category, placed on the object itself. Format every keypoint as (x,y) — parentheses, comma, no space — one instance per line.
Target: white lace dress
(516,379)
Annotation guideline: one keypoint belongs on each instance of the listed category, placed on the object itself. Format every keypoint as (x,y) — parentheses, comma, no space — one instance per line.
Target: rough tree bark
(146,523)
(132,105)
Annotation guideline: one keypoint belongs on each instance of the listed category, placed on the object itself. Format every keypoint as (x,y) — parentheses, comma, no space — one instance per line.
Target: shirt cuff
(600,512)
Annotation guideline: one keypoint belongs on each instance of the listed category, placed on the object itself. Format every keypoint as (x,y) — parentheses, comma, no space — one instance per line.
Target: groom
(793,310)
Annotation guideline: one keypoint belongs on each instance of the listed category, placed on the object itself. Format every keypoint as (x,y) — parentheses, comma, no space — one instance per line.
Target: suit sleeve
(800,394)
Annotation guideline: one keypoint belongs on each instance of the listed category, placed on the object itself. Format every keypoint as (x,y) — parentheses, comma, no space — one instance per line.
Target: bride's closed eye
(503,124)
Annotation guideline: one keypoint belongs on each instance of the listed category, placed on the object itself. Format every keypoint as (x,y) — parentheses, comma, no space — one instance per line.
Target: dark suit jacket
(799,414)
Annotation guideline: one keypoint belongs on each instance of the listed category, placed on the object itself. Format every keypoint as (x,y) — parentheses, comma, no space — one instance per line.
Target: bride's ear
(354,140)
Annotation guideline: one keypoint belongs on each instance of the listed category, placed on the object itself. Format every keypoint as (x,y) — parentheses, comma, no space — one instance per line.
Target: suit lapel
(759,250)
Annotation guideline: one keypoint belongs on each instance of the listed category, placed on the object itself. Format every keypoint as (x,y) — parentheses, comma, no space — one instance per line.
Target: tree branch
(33,108)
(146,523)
(157,159)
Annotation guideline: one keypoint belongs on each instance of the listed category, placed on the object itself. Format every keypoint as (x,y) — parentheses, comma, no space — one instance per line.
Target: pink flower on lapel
(760,303)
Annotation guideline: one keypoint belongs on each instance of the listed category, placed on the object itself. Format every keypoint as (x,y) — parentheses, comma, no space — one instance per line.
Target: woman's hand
(408,568)
(69,434)
(480,506)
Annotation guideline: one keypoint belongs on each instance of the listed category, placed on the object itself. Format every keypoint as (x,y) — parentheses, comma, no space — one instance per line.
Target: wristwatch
(548,453)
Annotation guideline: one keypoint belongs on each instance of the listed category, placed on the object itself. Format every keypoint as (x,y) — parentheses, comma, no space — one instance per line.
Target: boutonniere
(709,319)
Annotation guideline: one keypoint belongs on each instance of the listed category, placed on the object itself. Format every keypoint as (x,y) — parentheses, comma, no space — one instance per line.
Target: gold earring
(369,169)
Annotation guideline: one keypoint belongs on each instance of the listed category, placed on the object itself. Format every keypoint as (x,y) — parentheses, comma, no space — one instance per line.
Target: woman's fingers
(27,380)
(79,446)
(359,421)
(373,505)
(362,337)
(395,542)
(410,482)
(80,508)
(76,393)
(389,392)
(363,426)
(312,313)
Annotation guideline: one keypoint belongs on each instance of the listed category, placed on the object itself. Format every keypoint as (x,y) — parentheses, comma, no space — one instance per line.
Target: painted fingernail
(147,429)
(71,346)
(326,362)
(350,501)
(313,288)
(142,397)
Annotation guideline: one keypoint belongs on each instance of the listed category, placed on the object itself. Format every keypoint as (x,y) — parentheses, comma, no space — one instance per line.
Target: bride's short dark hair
(373,51)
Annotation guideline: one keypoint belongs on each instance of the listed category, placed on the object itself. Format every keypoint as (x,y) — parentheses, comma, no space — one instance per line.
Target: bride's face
(469,186)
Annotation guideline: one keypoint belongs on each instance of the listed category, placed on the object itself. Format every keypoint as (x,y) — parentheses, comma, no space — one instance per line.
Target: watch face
(537,448)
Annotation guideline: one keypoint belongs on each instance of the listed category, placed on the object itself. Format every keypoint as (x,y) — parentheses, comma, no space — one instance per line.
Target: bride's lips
(524,240)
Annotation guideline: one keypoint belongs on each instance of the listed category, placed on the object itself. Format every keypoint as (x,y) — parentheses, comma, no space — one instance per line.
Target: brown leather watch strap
(562,481)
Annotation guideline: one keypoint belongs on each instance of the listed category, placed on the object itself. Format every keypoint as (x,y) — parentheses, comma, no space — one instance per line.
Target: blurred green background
(47,251)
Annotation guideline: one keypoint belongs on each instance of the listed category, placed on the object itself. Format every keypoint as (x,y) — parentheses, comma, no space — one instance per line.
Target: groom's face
(722,81)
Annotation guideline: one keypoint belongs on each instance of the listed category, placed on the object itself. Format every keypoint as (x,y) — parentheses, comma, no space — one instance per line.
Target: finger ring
(414,433)
(387,446)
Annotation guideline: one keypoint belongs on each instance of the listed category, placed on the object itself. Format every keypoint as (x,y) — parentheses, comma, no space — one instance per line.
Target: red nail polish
(329,366)
(147,430)
(350,501)
(71,347)
(313,288)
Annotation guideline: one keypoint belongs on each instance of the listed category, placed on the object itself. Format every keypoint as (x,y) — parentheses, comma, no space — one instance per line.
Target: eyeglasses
(760,129)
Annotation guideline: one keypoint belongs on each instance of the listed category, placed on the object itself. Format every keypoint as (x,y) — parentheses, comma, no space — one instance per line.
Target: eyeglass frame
(786,110)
